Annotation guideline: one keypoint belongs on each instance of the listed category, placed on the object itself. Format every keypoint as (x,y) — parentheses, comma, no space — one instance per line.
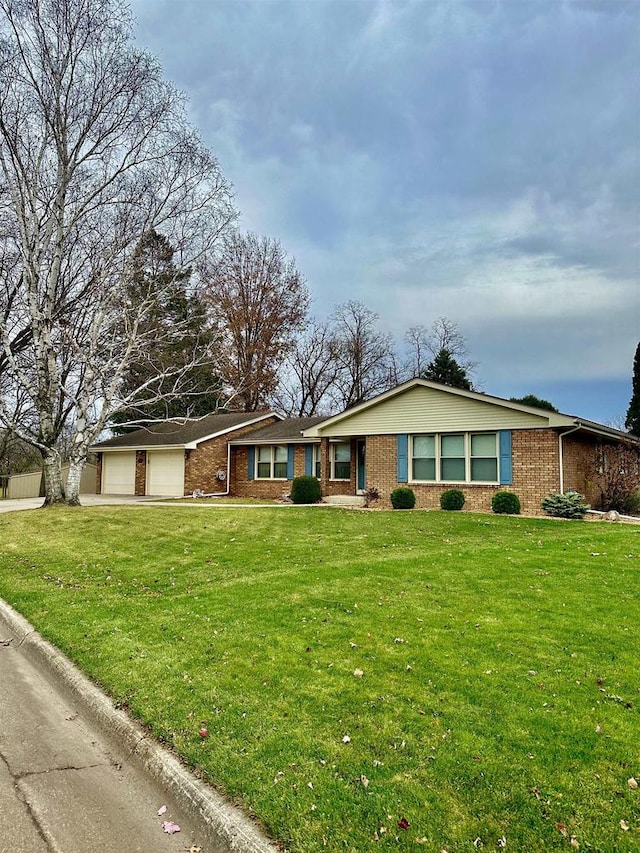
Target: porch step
(344,500)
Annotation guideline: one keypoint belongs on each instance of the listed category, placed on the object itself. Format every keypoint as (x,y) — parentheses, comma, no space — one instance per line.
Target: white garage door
(165,473)
(119,473)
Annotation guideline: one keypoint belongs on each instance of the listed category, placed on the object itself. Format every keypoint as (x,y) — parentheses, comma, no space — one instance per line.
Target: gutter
(560,455)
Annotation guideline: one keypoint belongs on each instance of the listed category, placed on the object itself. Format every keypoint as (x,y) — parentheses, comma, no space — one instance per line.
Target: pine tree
(153,268)
(532,400)
(632,422)
(446,370)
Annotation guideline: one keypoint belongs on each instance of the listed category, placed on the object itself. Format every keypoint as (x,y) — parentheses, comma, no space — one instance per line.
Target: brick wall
(210,456)
(98,473)
(578,458)
(141,472)
(243,487)
(535,473)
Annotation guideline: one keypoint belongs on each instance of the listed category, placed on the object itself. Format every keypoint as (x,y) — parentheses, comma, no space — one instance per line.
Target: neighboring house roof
(431,407)
(186,433)
(289,430)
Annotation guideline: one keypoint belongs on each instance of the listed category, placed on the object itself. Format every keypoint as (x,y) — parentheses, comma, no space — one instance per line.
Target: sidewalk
(68,785)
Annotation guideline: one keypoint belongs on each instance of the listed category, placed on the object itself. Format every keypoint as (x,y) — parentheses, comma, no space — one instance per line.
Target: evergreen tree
(153,268)
(532,400)
(446,370)
(632,421)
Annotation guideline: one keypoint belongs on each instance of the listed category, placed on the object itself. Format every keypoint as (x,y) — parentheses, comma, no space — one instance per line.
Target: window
(271,462)
(452,458)
(341,461)
(317,464)
(484,457)
(424,457)
(455,458)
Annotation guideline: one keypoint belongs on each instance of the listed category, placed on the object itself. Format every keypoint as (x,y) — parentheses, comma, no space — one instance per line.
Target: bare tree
(259,302)
(309,373)
(364,355)
(95,152)
(617,476)
(426,344)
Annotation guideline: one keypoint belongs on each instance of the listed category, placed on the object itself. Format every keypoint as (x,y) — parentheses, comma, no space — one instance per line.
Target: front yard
(369,681)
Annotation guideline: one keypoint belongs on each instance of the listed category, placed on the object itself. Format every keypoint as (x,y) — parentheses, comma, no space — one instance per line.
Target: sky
(474,160)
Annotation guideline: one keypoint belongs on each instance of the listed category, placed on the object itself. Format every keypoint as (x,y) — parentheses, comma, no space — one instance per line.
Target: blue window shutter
(506,464)
(290,451)
(251,466)
(308,460)
(403,462)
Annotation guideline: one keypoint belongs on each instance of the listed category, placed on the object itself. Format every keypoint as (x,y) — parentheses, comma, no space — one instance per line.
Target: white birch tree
(95,152)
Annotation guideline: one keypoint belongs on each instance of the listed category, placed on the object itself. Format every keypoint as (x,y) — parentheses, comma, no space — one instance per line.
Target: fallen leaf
(365,781)
(399,640)
(346,739)
(598,729)
(170,828)
(562,828)
(502,842)
(574,843)
(624,825)
(358,673)
(194,849)
(162,810)
(403,823)
(632,784)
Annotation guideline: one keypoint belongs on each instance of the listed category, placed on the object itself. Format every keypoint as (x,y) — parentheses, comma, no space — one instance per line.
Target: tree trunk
(76,468)
(53,488)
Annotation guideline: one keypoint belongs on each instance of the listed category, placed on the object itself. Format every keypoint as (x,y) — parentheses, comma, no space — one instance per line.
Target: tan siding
(429,410)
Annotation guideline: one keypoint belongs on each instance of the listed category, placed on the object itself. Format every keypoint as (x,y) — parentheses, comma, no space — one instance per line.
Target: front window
(452,458)
(484,457)
(424,457)
(341,461)
(317,463)
(457,458)
(271,462)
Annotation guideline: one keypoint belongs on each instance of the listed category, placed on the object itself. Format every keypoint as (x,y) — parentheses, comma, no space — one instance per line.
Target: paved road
(63,787)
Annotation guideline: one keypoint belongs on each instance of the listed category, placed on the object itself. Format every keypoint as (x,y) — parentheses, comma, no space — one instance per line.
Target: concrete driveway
(85,500)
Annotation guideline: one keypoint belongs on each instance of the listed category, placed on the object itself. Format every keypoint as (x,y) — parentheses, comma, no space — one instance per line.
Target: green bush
(452,499)
(567,505)
(631,504)
(505,502)
(305,490)
(403,498)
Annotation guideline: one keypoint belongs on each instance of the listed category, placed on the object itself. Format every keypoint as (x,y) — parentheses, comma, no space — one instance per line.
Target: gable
(423,409)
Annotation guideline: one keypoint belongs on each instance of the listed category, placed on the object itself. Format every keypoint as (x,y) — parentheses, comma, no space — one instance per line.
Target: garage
(119,473)
(165,473)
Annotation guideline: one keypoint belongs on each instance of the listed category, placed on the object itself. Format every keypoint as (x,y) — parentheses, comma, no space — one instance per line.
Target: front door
(360,454)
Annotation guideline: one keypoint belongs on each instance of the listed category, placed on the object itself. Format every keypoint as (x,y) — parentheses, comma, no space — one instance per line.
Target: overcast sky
(477,160)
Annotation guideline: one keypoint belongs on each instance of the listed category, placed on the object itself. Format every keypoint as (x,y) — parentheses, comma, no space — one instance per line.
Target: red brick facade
(202,464)
(535,461)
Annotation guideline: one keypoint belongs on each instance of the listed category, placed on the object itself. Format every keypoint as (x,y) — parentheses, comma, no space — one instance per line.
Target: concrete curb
(222,826)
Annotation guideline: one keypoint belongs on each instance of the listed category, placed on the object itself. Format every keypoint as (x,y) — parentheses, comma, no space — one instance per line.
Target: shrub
(567,505)
(305,490)
(452,499)
(403,498)
(506,503)
(631,504)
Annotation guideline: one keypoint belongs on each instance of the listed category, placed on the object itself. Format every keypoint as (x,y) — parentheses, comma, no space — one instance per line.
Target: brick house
(428,436)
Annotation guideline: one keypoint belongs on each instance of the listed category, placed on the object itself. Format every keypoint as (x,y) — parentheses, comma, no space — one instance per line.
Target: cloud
(472,159)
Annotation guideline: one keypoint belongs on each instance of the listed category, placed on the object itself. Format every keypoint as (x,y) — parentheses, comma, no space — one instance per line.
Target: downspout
(560,455)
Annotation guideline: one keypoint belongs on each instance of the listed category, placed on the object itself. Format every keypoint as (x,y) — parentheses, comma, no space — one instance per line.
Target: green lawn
(499,694)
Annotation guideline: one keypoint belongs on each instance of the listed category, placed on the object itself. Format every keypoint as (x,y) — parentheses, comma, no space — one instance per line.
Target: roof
(547,417)
(288,430)
(184,433)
